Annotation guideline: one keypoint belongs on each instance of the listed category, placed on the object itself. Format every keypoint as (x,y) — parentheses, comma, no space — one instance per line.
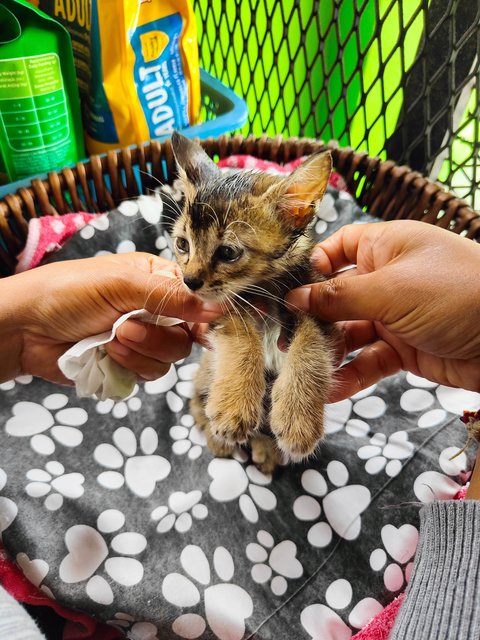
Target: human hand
(46,310)
(411,301)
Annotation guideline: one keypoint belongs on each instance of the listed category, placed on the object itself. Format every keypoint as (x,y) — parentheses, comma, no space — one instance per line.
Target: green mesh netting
(397,78)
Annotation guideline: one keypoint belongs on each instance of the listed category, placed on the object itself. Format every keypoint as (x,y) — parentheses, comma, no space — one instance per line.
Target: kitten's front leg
(235,401)
(300,392)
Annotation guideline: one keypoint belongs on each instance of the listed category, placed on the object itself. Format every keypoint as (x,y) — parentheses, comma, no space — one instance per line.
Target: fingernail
(164,273)
(119,349)
(134,331)
(299,299)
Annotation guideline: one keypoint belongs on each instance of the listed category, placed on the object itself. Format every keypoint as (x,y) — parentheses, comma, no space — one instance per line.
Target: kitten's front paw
(297,449)
(232,420)
(219,448)
(298,428)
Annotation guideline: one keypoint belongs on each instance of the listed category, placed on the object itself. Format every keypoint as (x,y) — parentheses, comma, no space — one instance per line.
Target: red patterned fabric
(250,162)
(47,234)
(380,626)
(83,627)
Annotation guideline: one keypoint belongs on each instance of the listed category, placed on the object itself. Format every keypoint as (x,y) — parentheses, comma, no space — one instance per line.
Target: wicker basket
(384,189)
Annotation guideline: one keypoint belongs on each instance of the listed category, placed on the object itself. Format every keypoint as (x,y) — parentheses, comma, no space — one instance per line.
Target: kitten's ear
(190,157)
(303,187)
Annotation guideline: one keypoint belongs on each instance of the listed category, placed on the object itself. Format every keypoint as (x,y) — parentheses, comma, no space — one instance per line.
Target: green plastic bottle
(40,122)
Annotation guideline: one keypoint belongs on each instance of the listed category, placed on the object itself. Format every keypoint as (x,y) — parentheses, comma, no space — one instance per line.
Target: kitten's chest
(275,318)
(273,357)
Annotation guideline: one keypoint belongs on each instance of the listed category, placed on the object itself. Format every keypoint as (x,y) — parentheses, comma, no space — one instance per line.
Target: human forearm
(46,310)
(13,292)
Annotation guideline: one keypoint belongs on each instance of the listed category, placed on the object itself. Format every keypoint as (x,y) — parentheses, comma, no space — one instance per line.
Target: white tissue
(94,371)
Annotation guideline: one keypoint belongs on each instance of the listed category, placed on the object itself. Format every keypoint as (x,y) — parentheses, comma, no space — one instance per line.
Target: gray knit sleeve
(442,600)
(15,623)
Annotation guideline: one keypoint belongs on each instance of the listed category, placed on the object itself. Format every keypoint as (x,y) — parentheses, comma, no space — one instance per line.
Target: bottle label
(33,113)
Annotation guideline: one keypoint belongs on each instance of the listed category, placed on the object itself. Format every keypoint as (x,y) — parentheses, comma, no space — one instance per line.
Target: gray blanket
(119,510)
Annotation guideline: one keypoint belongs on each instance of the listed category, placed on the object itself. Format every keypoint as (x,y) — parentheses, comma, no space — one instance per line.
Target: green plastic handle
(10,29)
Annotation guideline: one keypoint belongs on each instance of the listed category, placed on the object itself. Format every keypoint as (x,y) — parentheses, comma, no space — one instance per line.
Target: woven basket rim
(386,190)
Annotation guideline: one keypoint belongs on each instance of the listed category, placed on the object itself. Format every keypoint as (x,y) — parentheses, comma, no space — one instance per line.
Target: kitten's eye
(226,253)
(182,245)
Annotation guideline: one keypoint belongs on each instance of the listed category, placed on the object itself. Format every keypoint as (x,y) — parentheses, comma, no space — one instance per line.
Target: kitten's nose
(193,283)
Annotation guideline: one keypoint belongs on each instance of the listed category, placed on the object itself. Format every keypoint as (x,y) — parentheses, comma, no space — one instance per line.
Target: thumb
(354,298)
(168,296)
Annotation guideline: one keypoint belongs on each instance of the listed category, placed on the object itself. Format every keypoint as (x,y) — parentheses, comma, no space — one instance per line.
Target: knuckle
(327,294)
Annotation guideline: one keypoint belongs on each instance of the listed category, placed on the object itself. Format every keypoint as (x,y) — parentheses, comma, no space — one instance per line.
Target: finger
(166,344)
(165,296)
(199,332)
(372,364)
(145,367)
(357,334)
(150,263)
(341,248)
(451,372)
(362,297)
(348,272)
(351,336)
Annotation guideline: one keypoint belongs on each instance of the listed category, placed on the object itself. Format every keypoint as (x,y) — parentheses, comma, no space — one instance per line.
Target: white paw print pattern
(322,622)
(11,384)
(227,622)
(164,245)
(400,544)
(87,551)
(179,512)
(120,409)
(175,190)
(8,508)
(270,558)
(101,223)
(363,404)
(133,629)
(326,212)
(151,209)
(32,420)
(420,399)
(386,453)
(342,507)
(55,484)
(231,481)
(35,572)
(141,469)
(433,485)
(187,438)
(176,385)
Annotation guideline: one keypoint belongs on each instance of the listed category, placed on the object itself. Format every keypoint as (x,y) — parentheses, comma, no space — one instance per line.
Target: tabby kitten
(242,239)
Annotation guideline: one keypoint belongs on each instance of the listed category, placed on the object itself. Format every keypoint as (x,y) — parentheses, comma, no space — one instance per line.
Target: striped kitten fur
(242,239)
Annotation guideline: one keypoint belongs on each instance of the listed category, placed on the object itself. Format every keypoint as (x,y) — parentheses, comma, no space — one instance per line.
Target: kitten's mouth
(258,308)
(209,295)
